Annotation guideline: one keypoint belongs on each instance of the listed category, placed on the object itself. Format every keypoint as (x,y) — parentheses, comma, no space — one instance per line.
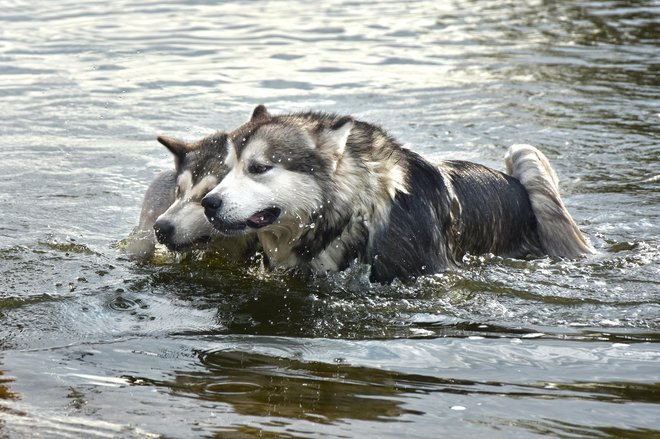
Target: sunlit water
(93,344)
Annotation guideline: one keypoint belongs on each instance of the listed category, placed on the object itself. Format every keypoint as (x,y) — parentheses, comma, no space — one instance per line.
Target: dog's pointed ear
(338,134)
(176,147)
(260,113)
(333,139)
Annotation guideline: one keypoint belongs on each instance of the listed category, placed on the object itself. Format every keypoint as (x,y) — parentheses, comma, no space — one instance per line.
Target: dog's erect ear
(260,113)
(176,147)
(338,133)
(333,139)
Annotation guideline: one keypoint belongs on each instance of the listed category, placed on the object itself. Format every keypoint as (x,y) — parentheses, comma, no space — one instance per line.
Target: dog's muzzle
(211,205)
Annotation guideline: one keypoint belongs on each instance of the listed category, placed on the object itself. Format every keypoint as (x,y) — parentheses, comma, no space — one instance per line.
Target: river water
(95,345)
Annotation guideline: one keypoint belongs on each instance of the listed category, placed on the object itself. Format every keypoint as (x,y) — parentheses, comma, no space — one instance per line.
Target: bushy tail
(559,234)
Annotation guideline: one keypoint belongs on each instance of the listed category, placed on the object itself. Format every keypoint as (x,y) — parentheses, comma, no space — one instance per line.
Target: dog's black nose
(211,202)
(164,231)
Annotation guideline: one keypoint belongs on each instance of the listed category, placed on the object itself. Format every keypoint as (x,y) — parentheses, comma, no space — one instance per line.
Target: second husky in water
(171,211)
(320,191)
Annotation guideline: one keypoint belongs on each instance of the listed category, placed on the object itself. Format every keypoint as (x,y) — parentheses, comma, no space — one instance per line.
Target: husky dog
(171,209)
(320,191)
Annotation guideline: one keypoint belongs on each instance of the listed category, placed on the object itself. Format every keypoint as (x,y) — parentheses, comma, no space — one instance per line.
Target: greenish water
(94,345)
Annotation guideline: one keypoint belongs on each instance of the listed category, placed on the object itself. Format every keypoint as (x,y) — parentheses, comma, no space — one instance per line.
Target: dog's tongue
(264,217)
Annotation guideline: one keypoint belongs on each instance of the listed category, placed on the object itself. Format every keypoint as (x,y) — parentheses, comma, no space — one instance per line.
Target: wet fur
(171,211)
(362,196)
(559,234)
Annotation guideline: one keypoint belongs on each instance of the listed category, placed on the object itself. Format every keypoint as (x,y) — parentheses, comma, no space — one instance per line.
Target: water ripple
(498,348)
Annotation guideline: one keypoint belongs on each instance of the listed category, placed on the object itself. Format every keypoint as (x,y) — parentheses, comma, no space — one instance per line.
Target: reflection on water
(93,344)
(322,387)
(5,393)
(257,385)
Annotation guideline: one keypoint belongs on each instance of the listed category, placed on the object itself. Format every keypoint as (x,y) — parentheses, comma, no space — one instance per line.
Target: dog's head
(279,170)
(200,166)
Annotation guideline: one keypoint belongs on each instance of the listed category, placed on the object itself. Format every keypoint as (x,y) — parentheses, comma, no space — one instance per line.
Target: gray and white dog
(320,191)
(171,211)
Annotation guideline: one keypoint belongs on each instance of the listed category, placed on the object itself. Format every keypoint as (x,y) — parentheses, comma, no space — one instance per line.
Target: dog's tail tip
(559,234)
(520,147)
(520,154)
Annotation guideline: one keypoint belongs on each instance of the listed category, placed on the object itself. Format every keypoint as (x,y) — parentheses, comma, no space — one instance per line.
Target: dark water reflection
(300,388)
(94,345)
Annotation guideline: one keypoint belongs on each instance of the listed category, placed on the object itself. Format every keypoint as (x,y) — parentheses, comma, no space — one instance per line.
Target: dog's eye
(259,168)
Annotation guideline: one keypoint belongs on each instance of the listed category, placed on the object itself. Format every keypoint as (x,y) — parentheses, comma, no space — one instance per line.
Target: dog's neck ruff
(343,228)
(279,239)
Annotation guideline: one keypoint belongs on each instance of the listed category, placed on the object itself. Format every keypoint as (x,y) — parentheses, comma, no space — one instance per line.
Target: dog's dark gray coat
(446,211)
(495,216)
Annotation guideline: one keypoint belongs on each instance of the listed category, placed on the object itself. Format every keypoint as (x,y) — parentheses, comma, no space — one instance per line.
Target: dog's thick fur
(171,211)
(533,170)
(320,191)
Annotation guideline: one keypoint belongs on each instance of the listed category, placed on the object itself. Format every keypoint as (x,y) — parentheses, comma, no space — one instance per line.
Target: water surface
(92,344)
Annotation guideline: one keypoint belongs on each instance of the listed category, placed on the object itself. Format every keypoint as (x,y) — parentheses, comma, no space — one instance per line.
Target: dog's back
(450,210)
(494,214)
(459,207)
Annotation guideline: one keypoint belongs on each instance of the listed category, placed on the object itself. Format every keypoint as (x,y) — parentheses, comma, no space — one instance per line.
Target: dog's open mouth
(264,217)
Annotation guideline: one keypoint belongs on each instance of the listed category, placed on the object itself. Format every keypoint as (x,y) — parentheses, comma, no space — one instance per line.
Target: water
(92,344)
